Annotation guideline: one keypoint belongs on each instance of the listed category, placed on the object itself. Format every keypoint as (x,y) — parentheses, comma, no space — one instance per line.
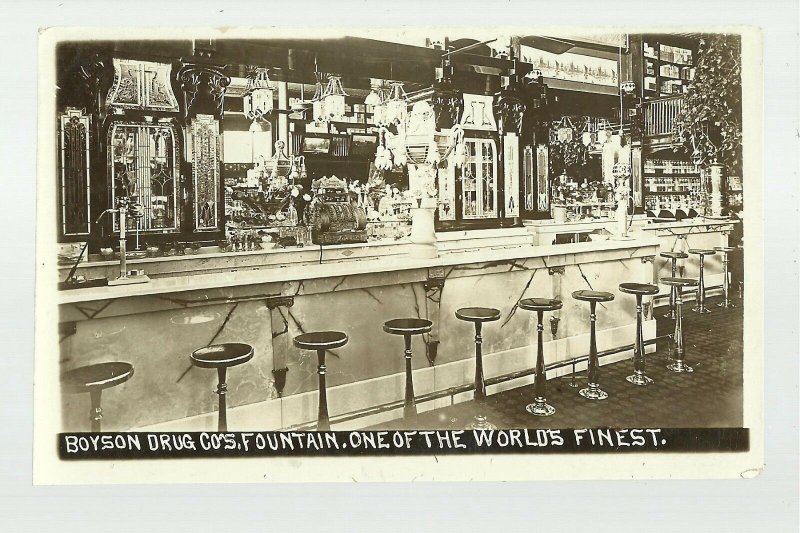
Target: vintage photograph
(295,243)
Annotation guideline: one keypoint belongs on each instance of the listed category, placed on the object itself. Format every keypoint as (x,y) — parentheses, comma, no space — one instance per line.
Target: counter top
(282,273)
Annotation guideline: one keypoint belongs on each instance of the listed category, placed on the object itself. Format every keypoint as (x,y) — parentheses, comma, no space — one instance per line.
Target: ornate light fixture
(257,100)
(334,98)
(397,104)
(317,101)
(376,100)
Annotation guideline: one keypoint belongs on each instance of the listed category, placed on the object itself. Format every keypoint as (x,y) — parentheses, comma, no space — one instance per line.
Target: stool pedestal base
(593,392)
(726,304)
(701,309)
(639,378)
(680,367)
(540,407)
(481,422)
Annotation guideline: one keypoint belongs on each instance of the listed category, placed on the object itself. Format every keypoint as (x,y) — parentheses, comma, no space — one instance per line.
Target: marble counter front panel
(156,330)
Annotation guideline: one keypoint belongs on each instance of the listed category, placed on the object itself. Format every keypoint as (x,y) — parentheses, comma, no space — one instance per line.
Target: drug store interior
(551,223)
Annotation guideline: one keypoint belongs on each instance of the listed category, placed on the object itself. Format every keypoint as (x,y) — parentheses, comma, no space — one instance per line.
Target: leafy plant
(709,127)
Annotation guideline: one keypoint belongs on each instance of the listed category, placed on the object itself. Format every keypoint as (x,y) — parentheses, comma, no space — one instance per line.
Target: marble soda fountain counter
(156,325)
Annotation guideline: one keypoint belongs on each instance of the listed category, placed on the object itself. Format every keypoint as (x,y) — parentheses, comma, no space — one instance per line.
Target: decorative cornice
(203,88)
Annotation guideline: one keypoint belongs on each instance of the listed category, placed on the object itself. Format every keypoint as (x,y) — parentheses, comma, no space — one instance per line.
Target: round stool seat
(725,249)
(593,296)
(540,304)
(97,377)
(407,326)
(702,251)
(222,355)
(638,288)
(675,255)
(679,282)
(478,314)
(321,340)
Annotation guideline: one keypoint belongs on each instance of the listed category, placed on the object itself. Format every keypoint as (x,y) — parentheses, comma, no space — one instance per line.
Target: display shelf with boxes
(668,68)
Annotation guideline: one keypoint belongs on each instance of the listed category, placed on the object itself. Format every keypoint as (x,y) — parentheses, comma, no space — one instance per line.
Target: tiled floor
(711,396)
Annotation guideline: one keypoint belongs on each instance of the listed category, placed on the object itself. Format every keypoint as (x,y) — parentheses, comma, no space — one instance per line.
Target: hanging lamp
(258,100)
(334,102)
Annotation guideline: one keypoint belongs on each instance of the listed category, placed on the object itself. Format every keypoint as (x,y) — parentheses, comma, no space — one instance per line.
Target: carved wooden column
(508,109)
(203,85)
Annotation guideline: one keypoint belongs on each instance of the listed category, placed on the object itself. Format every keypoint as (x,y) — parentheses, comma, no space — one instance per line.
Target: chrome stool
(701,289)
(93,379)
(674,256)
(639,289)
(679,365)
(222,357)
(321,341)
(408,327)
(725,250)
(540,407)
(479,315)
(593,390)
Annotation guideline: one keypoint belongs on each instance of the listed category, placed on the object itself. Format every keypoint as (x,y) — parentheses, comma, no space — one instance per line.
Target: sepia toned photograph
(526,243)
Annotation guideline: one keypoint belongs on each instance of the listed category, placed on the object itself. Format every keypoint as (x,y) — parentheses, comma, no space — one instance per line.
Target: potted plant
(709,126)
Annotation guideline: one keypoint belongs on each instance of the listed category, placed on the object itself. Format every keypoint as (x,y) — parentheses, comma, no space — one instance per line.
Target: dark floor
(711,396)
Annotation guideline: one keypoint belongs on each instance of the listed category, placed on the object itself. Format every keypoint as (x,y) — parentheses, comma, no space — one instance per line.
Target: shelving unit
(667,67)
(671,185)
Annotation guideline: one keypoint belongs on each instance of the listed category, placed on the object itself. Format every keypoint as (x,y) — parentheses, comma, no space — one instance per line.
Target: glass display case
(479,179)
(144,166)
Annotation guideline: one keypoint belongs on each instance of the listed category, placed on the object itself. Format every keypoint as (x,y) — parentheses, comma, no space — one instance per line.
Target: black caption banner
(172,445)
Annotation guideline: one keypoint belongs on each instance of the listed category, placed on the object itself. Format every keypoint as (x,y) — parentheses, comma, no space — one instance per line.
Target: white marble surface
(343,268)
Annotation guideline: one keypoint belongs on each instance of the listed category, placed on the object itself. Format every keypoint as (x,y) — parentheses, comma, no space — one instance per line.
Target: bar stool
(221,357)
(639,289)
(725,250)
(479,315)
(701,290)
(321,341)
(674,256)
(593,391)
(408,327)
(540,407)
(679,365)
(93,379)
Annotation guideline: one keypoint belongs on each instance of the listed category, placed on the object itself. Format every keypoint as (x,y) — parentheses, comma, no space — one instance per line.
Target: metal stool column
(593,390)
(674,256)
(408,327)
(639,289)
(479,315)
(701,290)
(540,407)
(679,350)
(221,357)
(321,341)
(93,379)
(726,302)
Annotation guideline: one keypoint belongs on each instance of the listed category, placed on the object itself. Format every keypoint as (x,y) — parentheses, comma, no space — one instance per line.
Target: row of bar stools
(593,390)
(673,256)
(222,357)
(679,364)
(479,315)
(639,289)
(540,407)
(701,289)
(94,379)
(321,341)
(725,250)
